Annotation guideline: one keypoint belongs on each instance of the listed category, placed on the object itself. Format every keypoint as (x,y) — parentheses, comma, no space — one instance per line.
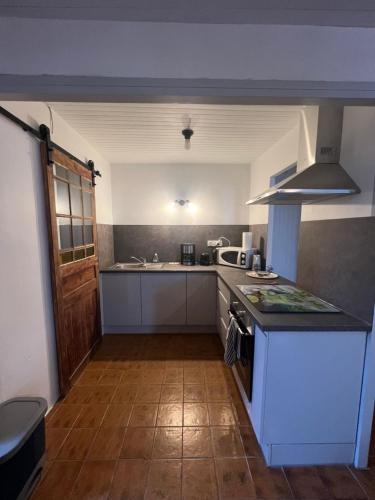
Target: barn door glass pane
(89,234)
(89,251)
(60,171)
(66,257)
(76,201)
(77,232)
(64,232)
(87,204)
(74,178)
(62,197)
(79,254)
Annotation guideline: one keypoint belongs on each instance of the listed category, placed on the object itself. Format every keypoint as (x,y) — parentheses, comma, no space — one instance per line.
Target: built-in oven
(246,336)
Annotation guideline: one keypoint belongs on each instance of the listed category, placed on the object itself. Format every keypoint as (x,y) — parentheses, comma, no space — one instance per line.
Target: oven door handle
(249,330)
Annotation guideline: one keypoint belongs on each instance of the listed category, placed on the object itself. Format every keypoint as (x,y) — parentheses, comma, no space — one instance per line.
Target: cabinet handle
(250,330)
(221,293)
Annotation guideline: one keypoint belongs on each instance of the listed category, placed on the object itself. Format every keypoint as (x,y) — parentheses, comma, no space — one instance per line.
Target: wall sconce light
(182,202)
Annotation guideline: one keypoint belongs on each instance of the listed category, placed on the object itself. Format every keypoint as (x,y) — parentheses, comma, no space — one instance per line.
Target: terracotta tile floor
(160,417)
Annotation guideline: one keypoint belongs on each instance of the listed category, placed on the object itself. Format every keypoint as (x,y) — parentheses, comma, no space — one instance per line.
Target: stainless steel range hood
(324,179)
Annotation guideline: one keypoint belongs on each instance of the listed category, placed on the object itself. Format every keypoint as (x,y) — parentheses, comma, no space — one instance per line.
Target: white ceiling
(302,12)
(151,133)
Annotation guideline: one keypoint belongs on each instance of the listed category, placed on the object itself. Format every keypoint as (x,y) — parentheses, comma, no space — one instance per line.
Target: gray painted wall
(144,240)
(336,261)
(105,245)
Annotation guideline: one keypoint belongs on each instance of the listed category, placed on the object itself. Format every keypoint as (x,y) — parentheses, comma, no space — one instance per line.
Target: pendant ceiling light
(187,133)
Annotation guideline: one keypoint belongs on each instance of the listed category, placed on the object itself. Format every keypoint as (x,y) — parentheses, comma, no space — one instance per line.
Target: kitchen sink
(154,266)
(136,265)
(128,265)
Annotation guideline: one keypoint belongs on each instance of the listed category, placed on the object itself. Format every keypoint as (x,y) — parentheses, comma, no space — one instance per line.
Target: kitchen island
(306,372)
(307,378)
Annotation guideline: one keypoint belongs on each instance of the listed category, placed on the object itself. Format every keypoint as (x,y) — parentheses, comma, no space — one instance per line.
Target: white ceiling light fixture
(187,133)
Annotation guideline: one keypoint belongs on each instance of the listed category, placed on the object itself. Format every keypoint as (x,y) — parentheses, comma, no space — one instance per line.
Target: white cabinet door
(163,298)
(313,387)
(201,298)
(121,299)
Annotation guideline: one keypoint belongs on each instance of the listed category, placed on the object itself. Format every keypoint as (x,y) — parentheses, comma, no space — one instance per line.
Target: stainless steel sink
(154,266)
(128,265)
(136,265)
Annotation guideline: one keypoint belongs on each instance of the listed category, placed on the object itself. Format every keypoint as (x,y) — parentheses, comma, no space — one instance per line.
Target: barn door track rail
(43,134)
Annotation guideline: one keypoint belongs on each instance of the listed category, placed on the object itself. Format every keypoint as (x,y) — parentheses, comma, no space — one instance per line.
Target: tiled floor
(160,417)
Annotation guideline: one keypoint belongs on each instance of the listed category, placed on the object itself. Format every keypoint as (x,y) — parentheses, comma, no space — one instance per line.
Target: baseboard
(311,454)
(159,329)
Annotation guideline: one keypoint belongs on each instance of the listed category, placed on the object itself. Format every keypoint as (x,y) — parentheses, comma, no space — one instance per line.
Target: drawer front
(224,289)
(223,306)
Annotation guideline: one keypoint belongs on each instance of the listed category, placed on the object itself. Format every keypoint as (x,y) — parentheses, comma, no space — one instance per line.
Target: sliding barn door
(70,198)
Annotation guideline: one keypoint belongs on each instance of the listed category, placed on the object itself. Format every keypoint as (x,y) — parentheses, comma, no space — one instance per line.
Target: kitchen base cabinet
(306,395)
(163,299)
(121,299)
(201,298)
(157,302)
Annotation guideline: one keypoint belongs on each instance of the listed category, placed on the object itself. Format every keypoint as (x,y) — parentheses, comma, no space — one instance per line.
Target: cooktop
(285,298)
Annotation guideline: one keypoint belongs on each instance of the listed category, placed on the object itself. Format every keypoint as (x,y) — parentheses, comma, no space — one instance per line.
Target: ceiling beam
(195,91)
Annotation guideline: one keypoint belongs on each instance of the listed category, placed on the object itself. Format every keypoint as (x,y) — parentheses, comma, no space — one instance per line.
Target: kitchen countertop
(340,321)
(232,277)
(166,267)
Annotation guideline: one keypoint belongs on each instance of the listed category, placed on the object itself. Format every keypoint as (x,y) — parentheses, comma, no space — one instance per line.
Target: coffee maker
(188,254)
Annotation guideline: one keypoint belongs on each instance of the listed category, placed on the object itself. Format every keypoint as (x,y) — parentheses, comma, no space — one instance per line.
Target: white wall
(178,50)
(27,344)
(144,194)
(27,352)
(357,157)
(281,155)
(36,113)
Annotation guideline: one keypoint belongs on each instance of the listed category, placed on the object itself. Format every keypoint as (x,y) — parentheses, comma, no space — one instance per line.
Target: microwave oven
(235,256)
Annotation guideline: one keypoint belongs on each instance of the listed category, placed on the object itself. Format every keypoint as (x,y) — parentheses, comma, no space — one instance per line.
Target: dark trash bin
(22,445)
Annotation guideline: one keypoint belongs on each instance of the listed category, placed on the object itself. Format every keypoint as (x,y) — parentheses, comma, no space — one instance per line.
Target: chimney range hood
(325,179)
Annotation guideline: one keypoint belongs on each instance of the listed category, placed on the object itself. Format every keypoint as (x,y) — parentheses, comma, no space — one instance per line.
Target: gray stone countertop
(233,276)
(340,321)
(161,267)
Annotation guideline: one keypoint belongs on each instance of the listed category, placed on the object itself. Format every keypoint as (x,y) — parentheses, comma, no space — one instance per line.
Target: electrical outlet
(214,243)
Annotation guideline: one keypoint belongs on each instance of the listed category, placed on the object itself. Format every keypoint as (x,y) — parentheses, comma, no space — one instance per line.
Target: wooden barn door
(70,197)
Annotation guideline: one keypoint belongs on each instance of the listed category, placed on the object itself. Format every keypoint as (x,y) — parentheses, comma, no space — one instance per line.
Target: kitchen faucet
(141,260)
